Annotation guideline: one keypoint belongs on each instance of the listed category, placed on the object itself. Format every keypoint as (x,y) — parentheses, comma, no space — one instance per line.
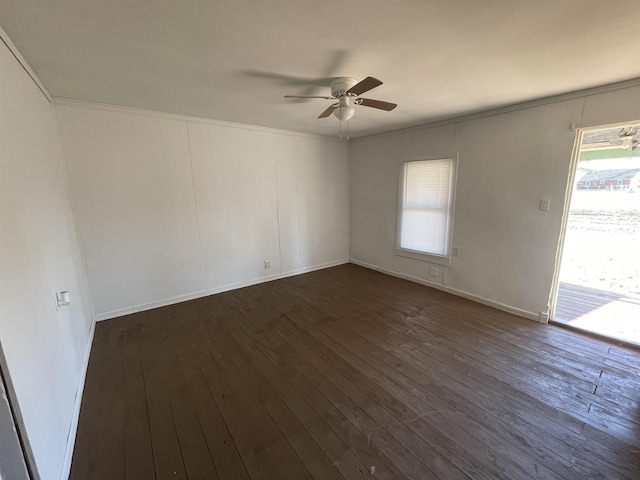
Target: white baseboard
(204,293)
(73,428)
(460,293)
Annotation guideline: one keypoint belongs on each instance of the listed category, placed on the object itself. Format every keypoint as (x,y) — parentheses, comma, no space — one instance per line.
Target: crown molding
(70,102)
(23,63)
(635,82)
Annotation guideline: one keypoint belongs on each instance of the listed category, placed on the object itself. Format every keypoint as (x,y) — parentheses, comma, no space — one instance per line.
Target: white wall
(46,350)
(170,208)
(507,163)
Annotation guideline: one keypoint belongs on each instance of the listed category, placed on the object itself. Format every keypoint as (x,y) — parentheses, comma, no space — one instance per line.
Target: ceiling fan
(347,91)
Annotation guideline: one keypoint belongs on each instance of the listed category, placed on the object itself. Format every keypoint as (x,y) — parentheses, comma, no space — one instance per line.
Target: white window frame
(414,254)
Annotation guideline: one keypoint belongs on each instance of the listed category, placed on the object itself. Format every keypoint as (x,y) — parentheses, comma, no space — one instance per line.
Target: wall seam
(81,383)
(195,204)
(275,173)
(73,211)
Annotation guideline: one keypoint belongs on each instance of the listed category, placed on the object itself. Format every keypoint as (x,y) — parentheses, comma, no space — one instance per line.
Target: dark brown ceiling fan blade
(368,102)
(364,86)
(308,96)
(328,111)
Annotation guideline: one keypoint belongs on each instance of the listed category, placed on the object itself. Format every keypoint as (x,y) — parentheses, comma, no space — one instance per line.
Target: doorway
(12,459)
(598,285)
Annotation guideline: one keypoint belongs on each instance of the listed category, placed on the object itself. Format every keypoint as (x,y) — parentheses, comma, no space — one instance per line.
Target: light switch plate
(545,204)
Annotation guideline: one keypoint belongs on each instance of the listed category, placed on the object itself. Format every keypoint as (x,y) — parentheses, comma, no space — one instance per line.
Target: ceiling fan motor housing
(339,86)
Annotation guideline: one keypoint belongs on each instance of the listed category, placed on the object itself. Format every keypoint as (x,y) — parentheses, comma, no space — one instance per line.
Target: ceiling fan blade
(328,111)
(364,86)
(368,102)
(308,96)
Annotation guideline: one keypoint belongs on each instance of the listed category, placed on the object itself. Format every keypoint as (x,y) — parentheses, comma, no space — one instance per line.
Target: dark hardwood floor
(348,373)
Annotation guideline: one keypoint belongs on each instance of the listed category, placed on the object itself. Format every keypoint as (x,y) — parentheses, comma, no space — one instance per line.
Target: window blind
(426,206)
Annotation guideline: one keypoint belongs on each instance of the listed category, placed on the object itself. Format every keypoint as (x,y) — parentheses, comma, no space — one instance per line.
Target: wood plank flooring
(614,315)
(348,373)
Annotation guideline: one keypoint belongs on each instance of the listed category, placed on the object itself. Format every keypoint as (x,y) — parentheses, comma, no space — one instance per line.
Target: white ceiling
(234,60)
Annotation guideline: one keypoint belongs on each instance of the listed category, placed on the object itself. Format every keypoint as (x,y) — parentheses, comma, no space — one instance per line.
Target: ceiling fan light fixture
(344,113)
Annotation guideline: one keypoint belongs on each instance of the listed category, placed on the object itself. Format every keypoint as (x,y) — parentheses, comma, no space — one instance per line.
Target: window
(426,206)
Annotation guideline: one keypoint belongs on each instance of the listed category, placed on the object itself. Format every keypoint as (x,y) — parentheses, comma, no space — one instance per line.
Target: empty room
(319,240)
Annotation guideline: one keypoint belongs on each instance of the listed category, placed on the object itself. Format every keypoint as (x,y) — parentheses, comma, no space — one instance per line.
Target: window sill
(423,257)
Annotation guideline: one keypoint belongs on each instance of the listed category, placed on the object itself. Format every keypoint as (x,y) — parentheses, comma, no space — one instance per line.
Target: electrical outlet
(267,263)
(456,251)
(433,271)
